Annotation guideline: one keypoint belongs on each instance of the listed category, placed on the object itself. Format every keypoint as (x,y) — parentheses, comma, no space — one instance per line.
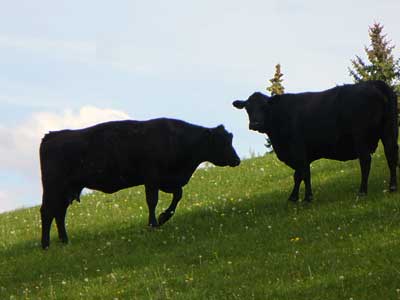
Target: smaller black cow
(342,123)
(162,154)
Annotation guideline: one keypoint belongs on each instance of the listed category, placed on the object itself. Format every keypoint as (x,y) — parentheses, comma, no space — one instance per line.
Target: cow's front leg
(365,165)
(297,177)
(308,196)
(301,174)
(169,212)
(152,200)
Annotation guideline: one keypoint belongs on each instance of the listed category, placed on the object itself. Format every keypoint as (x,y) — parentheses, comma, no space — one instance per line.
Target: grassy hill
(234,236)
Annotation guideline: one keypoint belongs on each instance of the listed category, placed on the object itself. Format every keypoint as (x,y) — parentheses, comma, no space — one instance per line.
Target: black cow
(342,123)
(162,154)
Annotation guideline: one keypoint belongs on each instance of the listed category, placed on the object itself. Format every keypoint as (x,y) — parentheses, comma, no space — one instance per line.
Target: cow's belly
(171,182)
(111,184)
(344,149)
(341,155)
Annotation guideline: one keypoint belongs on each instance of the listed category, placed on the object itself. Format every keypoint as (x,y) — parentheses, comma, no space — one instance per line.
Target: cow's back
(328,122)
(149,141)
(113,155)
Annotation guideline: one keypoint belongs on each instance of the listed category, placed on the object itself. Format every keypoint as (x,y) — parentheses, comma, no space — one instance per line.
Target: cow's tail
(43,152)
(43,149)
(390,133)
(392,112)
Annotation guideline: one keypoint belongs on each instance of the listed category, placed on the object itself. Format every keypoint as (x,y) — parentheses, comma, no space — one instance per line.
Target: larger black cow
(342,123)
(162,154)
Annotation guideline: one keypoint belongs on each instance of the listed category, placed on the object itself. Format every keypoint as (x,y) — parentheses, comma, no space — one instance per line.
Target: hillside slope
(234,236)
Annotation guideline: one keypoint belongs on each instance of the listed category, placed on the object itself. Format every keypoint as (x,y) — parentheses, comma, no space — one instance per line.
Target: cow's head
(256,106)
(222,151)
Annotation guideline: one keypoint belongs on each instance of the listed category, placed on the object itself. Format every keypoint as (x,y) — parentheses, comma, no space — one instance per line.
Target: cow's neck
(192,157)
(277,127)
(203,152)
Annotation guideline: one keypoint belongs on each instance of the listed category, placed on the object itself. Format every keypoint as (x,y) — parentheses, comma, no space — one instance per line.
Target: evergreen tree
(382,65)
(276,87)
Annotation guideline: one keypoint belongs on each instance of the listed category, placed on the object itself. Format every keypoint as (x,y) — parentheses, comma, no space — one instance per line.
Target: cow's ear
(239,104)
(220,128)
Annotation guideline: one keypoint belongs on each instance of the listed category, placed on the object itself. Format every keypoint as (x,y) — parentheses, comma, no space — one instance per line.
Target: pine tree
(276,87)
(382,65)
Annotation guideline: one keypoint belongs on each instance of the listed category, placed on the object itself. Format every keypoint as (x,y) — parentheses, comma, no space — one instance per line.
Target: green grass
(234,236)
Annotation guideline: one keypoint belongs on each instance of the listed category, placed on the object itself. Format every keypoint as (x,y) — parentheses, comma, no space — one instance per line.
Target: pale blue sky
(145,59)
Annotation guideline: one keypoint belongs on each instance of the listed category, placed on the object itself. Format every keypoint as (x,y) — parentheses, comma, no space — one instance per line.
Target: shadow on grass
(102,250)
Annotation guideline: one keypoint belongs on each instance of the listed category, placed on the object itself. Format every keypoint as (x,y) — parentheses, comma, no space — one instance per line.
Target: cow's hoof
(361,195)
(293,199)
(393,188)
(152,226)
(164,217)
(64,240)
(45,245)
(308,199)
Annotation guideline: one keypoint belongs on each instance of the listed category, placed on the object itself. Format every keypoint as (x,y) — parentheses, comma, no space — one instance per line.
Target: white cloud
(6,202)
(88,115)
(19,145)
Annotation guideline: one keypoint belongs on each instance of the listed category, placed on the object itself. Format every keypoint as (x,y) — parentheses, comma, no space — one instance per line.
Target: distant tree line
(381,65)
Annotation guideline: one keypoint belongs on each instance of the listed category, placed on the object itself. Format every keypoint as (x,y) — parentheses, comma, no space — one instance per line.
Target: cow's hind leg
(47,218)
(60,221)
(152,200)
(391,148)
(169,212)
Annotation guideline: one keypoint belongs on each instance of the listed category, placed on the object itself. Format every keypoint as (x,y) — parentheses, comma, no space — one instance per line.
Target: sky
(72,64)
